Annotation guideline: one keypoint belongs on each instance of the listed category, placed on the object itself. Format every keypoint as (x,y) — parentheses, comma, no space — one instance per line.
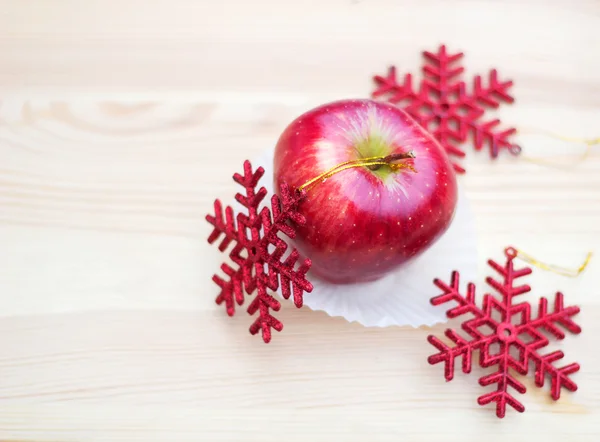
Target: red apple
(363,222)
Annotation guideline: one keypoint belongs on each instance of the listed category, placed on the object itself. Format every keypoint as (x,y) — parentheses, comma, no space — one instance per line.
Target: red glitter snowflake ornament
(443,106)
(258,252)
(516,330)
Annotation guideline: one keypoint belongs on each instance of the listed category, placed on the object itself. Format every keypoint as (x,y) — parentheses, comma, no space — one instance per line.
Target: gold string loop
(372,163)
(512,252)
(516,149)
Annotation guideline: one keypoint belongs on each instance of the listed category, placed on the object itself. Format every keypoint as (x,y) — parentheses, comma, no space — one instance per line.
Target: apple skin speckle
(361,224)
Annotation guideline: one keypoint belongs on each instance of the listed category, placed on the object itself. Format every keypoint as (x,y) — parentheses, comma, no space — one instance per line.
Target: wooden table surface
(121,121)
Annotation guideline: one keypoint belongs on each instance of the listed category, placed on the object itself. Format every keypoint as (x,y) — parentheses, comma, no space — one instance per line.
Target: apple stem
(372,163)
(390,159)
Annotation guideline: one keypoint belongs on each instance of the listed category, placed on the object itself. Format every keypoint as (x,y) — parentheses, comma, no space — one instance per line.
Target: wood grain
(120,122)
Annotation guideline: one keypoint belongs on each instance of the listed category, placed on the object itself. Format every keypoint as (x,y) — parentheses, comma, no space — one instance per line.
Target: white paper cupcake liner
(402,297)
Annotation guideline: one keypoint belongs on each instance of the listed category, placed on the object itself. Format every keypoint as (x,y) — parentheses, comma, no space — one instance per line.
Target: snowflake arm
(466,304)
(263,303)
(449,354)
(560,315)
(395,92)
(486,133)
(503,379)
(544,363)
(443,73)
(496,91)
(507,288)
(462,347)
(231,288)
